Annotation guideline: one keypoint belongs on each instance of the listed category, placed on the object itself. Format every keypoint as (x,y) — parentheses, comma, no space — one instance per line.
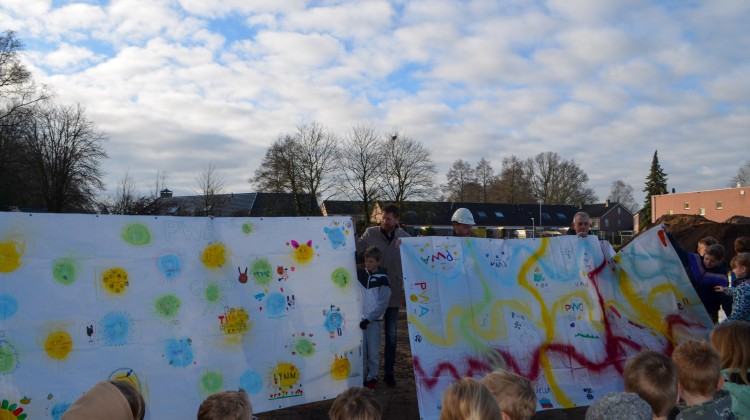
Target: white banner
(180,307)
(564,312)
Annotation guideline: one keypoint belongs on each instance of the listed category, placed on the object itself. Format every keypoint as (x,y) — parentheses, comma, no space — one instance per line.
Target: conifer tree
(656,184)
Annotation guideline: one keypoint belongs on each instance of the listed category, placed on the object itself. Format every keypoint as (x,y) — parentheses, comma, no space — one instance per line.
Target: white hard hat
(463,216)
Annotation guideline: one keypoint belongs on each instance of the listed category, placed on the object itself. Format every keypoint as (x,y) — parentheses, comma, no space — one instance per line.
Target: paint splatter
(235,321)
(10,256)
(286,375)
(251,382)
(8,357)
(211,382)
(115,280)
(303,253)
(8,306)
(336,236)
(261,272)
(11,411)
(247,228)
(65,271)
(170,266)
(340,368)
(179,353)
(304,347)
(341,277)
(214,256)
(58,345)
(115,329)
(213,292)
(136,234)
(58,410)
(275,304)
(167,306)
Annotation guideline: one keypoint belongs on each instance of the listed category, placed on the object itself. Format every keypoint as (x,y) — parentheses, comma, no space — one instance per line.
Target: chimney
(738,184)
(165,193)
(606,203)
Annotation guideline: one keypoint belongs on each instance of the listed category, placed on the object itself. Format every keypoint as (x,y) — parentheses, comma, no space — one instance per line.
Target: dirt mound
(744,220)
(689,229)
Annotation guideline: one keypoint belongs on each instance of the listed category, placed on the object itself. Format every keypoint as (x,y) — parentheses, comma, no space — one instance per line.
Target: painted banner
(564,312)
(180,307)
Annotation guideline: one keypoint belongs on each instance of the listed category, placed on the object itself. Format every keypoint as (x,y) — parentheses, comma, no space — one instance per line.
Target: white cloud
(68,55)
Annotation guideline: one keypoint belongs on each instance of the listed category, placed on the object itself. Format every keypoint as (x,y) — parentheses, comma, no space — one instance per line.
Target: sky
(178,85)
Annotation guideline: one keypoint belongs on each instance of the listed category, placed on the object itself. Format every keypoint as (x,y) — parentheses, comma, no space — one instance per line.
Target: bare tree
(514,183)
(316,151)
(409,170)
(125,197)
(460,177)
(742,178)
(361,161)
(485,178)
(558,181)
(623,193)
(18,91)
(210,186)
(62,151)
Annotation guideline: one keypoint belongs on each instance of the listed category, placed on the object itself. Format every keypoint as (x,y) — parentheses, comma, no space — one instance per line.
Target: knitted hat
(619,405)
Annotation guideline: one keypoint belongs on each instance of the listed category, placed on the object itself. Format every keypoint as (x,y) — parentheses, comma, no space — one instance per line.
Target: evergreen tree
(656,183)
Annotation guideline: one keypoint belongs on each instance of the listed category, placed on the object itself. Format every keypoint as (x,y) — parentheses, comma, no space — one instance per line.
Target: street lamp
(533,228)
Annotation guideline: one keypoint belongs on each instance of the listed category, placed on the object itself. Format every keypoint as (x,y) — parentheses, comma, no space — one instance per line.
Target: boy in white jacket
(376,295)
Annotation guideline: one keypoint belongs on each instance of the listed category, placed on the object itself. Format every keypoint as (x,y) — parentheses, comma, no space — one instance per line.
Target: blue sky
(176,84)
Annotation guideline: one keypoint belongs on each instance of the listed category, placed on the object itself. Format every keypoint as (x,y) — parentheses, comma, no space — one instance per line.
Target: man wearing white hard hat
(463,221)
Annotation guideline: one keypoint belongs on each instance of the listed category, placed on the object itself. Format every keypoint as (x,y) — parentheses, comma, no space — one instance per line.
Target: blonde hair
(226,405)
(730,340)
(698,367)
(741,260)
(514,394)
(653,376)
(468,399)
(355,404)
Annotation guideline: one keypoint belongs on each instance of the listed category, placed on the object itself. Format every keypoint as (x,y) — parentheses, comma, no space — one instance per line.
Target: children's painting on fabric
(564,312)
(179,307)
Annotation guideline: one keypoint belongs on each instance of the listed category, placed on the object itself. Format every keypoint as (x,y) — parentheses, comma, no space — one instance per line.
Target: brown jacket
(373,236)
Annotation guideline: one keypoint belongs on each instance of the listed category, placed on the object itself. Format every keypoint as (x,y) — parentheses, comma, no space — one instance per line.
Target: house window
(719,205)
(499,214)
(687,205)
(606,223)
(619,210)
(671,212)
(482,214)
(702,211)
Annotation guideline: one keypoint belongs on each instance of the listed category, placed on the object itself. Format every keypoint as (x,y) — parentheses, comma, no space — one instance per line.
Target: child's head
(730,341)
(742,244)
(514,394)
(653,376)
(698,367)
(372,258)
(468,399)
(741,265)
(621,406)
(704,243)
(355,404)
(231,405)
(714,256)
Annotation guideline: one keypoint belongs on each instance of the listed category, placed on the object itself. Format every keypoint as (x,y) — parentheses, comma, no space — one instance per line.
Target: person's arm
(384,295)
(714,279)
